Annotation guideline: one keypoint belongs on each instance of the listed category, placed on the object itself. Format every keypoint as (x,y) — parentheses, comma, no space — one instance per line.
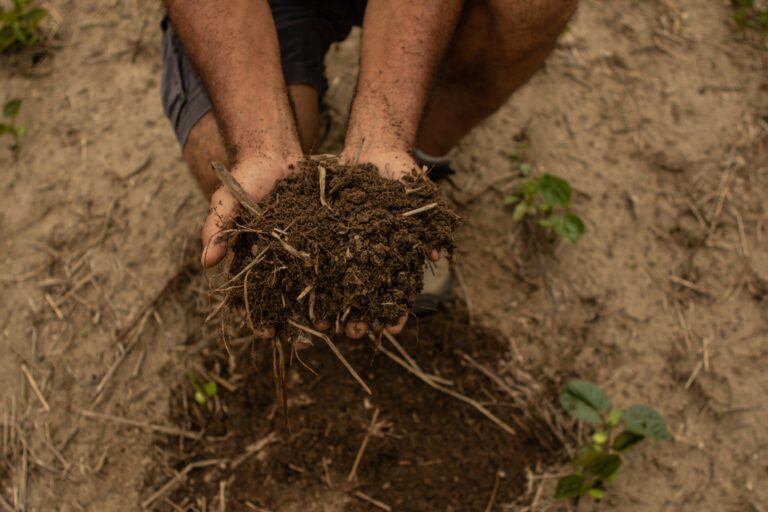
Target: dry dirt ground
(656,111)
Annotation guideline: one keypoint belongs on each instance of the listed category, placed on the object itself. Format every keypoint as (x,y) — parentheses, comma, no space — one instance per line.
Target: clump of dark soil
(336,243)
(430,453)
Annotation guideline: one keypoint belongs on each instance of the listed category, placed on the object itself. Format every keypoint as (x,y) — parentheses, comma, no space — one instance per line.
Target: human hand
(257,175)
(394,165)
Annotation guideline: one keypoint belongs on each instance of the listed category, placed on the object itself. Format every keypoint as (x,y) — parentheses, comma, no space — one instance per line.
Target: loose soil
(442,457)
(351,251)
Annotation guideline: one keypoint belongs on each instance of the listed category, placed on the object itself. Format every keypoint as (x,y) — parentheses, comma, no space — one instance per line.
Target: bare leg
(205,143)
(498,46)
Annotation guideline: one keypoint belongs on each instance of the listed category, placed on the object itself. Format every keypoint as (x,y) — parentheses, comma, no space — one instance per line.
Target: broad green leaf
(210,388)
(555,191)
(626,440)
(597,494)
(603,465)
(11,108)
(584,400)
(646,421)
(4,128)
(613,418)
(585,455)
(570,486)
(567,225)
(519,212)
(600,437)
(200,397)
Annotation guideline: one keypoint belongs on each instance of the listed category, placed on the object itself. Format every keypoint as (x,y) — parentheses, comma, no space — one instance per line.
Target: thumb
(220,216)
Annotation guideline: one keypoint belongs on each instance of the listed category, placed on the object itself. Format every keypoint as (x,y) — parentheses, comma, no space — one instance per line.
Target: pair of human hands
(257,174)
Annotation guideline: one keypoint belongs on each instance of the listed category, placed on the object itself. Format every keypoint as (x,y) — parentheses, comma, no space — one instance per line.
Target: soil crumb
(428,451)
(336,243)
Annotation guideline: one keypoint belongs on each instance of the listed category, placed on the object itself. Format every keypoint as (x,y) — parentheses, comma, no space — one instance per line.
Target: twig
(172,431)
(291,249)
(359,457)
(321,172)
(687,284)
(423,209)
(400,349)
(54,307)
(494,491)
(222,496)
(424,377)
(35,389)
(376,503)
(695,373)
(253,449)
(335,351)
(173,482)
(237,190)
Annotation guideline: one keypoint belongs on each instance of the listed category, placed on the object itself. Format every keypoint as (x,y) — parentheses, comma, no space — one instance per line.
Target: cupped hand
(257,175)
(395,165)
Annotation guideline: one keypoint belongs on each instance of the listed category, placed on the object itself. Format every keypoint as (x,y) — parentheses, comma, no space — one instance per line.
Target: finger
(434,255)
(356,330)
(322,325)
(223,208)
(398,327)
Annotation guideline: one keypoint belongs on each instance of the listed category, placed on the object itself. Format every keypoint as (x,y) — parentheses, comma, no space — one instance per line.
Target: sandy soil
(657,112)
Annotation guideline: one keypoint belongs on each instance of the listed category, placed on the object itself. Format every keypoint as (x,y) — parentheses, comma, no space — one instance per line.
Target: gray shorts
(305,29)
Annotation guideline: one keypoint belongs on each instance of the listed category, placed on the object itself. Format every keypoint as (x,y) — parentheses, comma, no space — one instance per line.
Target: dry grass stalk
(321,172)
(368,433)
(474,403)
(376,503)
(172,431)
(176,480)
(423,209)
(237,190)
(336,352)
(35,389)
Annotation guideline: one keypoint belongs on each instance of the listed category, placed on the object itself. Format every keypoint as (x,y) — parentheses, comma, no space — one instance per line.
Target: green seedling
(748,15)
(203,391)
(8,126)
(616,430)
(547,199)
(20,25)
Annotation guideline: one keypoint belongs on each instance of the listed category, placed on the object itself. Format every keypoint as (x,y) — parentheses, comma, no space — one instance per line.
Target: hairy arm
(235,50)
(403,44)
(234,47)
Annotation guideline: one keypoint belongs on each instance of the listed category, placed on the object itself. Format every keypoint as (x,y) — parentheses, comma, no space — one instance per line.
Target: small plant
(20,25)
(747,14)
(548,199)
(10,111)
(203,391)
(598,462)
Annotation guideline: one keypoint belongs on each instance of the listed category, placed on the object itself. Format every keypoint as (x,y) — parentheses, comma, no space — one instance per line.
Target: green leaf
(11,108)
(585,455)
(4,128)
(646,421)
(200,397)
(524,168)
(626,440)
(20,131)
(519,212)
(555,191)
(584,400)
(600,437)
(7,37)
(567,225)
(570,486)
(597,494)
(604,465)
(210,388)
(613,418)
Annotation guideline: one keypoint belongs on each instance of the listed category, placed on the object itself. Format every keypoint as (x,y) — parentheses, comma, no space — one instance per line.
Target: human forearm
(235,50)
(403,43)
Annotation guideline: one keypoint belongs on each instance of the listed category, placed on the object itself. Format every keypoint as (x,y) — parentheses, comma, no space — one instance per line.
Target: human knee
(542,19)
